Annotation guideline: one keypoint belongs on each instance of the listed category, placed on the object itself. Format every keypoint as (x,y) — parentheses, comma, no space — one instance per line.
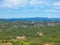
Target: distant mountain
(32,19)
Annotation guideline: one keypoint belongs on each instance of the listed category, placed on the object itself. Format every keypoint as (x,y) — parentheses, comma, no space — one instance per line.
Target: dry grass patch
(5,43)
(49,43)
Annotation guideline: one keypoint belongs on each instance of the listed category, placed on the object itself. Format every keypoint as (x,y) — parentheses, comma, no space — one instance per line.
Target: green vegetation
(30,33)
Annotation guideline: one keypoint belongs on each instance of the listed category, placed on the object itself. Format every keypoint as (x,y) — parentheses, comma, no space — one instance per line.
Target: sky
(29,8)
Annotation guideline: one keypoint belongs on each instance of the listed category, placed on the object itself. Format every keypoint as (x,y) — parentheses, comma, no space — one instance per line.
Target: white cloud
(36,2)
(56,4)
(21,3)
(51,10)
(13,3)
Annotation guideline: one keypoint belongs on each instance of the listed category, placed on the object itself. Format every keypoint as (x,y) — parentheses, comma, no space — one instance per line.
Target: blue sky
(29,8)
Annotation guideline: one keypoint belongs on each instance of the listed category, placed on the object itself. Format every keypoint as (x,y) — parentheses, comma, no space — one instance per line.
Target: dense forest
(29,32)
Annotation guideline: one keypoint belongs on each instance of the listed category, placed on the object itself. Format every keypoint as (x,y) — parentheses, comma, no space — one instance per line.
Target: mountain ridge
(32,19)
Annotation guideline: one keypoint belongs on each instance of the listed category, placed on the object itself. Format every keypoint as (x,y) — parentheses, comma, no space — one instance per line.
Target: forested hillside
(30,33)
